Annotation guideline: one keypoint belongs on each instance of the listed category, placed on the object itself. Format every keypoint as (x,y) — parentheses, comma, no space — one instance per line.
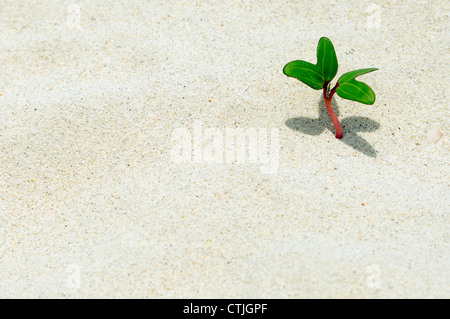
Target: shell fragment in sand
(434,136)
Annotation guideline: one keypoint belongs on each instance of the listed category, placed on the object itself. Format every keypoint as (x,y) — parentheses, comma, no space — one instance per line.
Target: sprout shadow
(350,125)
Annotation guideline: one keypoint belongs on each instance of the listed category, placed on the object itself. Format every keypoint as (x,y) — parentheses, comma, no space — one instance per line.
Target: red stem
(327,99)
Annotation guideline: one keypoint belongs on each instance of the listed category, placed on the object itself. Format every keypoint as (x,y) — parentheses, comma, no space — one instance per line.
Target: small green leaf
(351,89)
(326,59)
(306,72)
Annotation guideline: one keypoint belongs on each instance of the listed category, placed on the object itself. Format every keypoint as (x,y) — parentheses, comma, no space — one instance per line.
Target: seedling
(319,76)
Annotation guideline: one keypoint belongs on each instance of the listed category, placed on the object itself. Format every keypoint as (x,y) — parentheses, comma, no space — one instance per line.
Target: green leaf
(326,59)
(306,72)
(351,89)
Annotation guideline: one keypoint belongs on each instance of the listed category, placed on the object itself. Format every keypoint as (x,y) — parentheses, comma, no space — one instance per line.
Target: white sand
(93,204)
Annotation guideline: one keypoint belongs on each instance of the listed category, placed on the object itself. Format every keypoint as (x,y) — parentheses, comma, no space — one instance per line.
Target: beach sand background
(95,201)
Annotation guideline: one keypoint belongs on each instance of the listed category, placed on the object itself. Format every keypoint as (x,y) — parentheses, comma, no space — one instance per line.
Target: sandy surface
(98,101)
